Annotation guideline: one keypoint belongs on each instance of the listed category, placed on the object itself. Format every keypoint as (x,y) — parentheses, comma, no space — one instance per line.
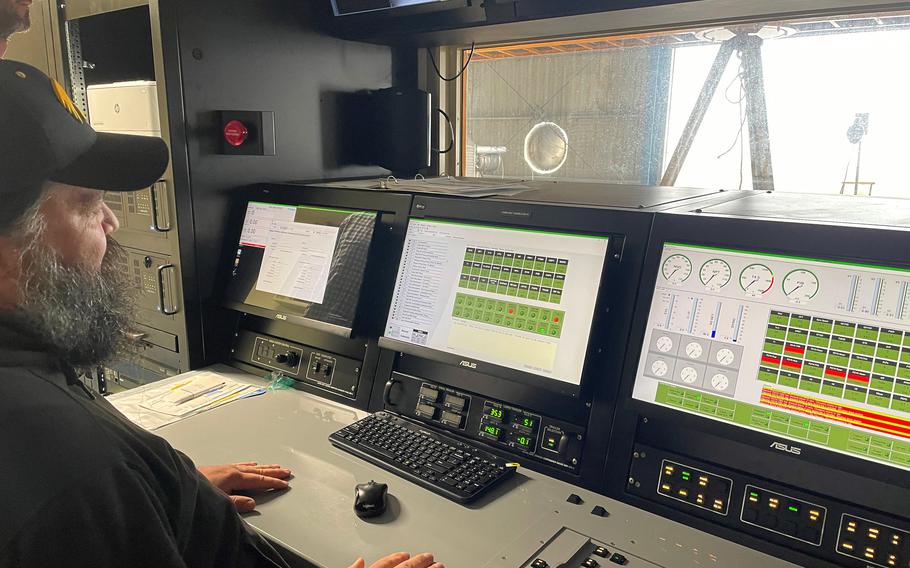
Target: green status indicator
(793,509)
(492,430)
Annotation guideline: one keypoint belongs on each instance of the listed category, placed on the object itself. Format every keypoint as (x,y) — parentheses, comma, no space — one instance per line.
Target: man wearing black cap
(14,18)
(79,484)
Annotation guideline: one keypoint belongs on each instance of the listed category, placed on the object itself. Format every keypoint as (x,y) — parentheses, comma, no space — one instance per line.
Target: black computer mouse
(370,499)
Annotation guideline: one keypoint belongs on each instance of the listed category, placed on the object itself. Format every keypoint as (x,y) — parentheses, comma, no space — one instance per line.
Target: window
(614,109)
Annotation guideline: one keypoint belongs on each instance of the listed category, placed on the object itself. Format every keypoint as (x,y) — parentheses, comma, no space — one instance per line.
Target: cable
(451,133)
(457,75)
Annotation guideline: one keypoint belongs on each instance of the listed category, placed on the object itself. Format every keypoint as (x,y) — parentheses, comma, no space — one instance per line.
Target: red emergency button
(235,133)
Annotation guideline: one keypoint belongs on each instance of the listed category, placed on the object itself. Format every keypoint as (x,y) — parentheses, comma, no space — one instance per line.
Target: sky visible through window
(814,88)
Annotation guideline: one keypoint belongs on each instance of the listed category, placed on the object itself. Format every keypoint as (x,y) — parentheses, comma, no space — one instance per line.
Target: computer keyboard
(444,465)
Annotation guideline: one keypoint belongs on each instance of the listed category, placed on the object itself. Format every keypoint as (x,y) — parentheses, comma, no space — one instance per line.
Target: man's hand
(246,476)
(402,560)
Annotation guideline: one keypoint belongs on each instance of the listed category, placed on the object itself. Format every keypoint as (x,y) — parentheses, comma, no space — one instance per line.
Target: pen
(195,395)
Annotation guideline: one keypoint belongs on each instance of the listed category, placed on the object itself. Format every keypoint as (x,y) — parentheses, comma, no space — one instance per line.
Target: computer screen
(300,263)
(811,351)
(517,298)
(343,7)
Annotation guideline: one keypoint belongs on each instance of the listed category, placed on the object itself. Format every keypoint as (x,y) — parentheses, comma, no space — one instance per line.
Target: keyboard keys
(452,468)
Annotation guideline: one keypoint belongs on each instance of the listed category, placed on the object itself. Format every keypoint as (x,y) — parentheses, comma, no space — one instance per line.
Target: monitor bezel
(400,11)
(564,388)
(845,244)
(386,206)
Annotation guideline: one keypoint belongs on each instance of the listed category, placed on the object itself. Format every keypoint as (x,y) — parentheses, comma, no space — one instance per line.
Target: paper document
(297,260)
(164,404)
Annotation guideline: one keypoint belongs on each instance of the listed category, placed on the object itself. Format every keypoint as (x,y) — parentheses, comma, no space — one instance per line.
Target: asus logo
(468,364)
(785,448)
(282,317)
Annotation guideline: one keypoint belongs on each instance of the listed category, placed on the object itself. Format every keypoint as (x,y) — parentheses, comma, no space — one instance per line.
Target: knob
(290,358)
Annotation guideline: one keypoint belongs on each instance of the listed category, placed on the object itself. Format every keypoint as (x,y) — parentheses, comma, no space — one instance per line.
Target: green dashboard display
(496,413)
(492,430)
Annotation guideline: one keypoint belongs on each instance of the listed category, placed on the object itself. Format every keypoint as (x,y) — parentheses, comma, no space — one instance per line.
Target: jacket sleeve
(119,518)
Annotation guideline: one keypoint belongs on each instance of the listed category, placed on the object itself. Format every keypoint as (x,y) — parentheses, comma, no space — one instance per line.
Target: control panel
(786,516)
(441,404)
(571,549)
(507,427)
(695,487)
(329,371)
(873,543)
(783,514)
(511,426)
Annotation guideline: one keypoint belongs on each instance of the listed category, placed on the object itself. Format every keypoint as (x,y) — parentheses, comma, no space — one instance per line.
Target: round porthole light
(546,148)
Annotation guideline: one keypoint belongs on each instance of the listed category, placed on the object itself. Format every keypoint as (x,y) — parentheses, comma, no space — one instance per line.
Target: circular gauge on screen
(694,350)
(756,279)
(715,274)
(725,356)
(659,368)
(677,268)
(664,343)
(720,382)
(800,286)
(688,375)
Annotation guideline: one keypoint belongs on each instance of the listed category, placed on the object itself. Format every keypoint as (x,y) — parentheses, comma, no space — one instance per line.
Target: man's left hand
(246,476)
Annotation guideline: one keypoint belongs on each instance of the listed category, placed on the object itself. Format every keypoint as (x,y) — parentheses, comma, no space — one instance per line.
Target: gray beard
(80,315)
(11,23)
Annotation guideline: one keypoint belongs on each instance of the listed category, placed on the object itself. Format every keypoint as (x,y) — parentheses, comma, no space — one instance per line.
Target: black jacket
(80,485)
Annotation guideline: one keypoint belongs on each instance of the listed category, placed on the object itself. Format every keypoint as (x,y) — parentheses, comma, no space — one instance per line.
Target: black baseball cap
(45,137)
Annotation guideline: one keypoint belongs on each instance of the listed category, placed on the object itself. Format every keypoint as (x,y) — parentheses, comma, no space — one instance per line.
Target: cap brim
(117,162)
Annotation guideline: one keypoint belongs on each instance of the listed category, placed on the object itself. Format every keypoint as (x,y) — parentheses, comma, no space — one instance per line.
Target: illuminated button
(718,504)
(236,133)
(892,560)
(753,497)
(847,546)
(540,563)
(665,487)
(703,480)
(686,475)
(601,551)
(590,563)
(869,553)
(851,526)
(873,534)
(700,499)
(683,493)
(773,502)
(895,539)
(668,470)
(813,515)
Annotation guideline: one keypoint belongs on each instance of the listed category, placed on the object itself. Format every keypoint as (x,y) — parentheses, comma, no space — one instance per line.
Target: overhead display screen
(518,298)
(344,7)
(302,262)
(813,351)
